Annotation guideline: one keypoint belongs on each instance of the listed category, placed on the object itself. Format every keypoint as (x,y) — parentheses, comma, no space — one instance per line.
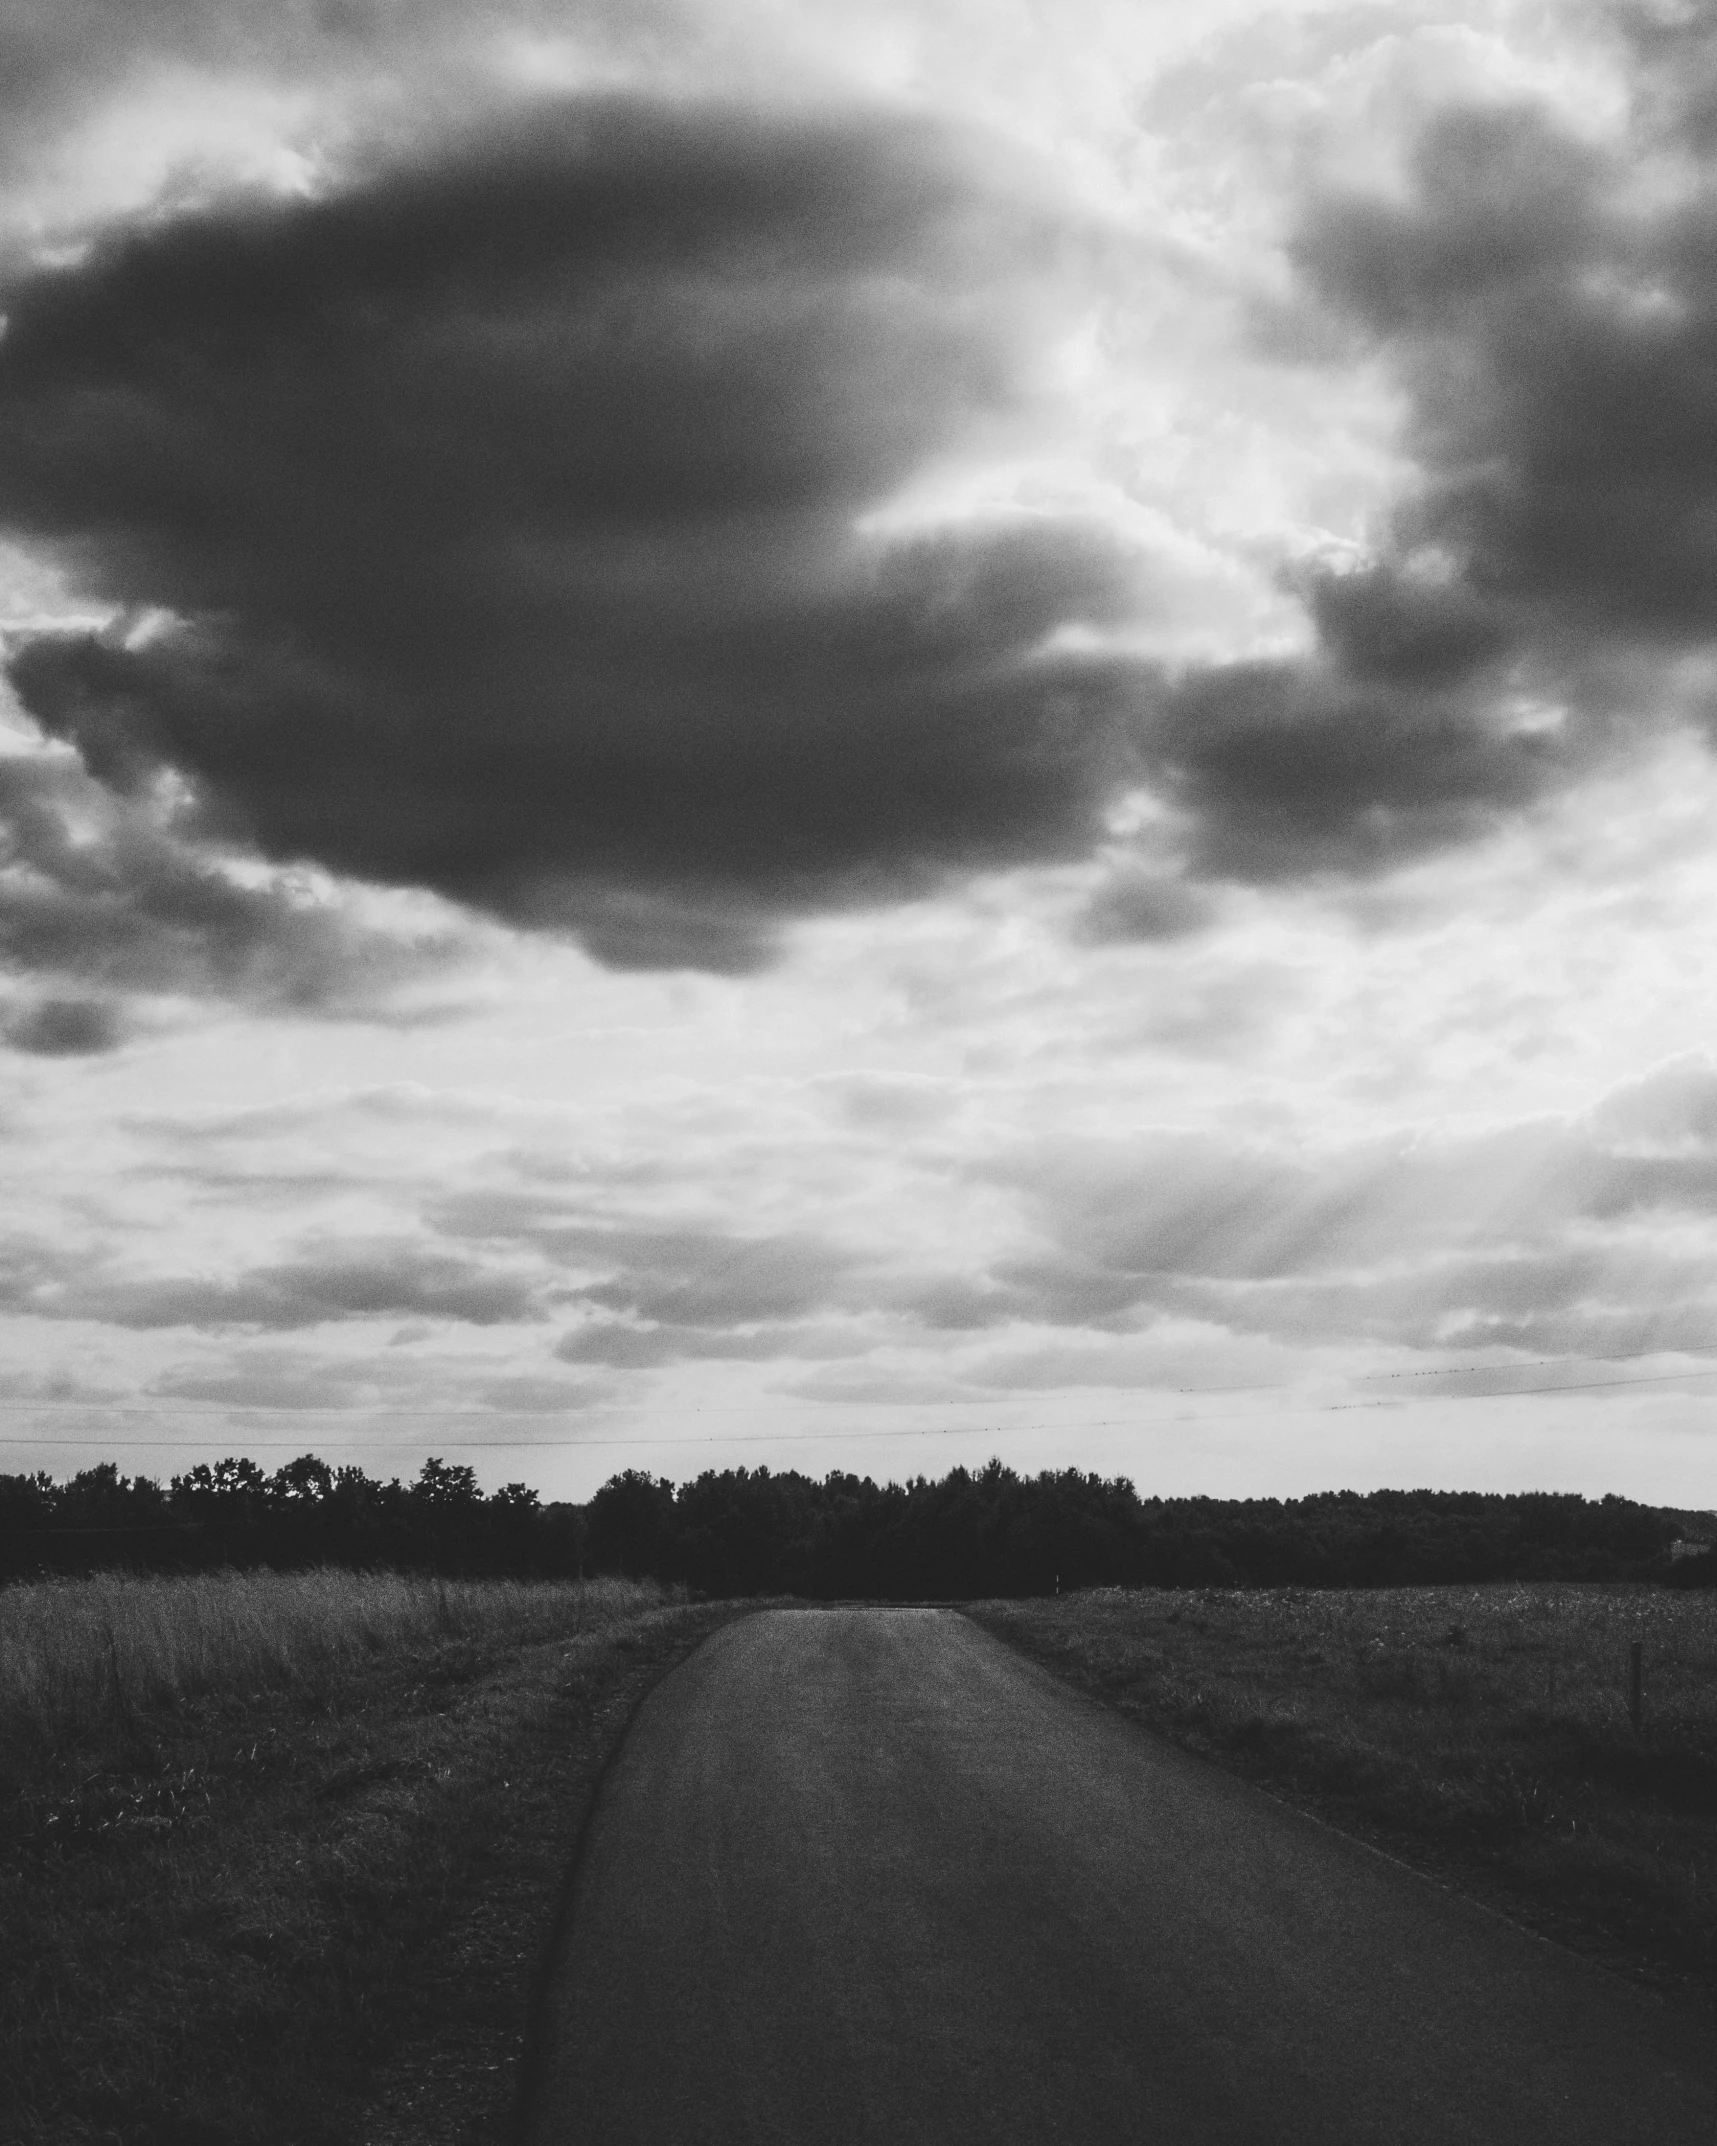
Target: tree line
(745,1531)
(994,1532)
(232,1512)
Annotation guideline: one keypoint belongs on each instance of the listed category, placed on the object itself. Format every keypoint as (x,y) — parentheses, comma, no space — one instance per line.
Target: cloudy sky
(740,732)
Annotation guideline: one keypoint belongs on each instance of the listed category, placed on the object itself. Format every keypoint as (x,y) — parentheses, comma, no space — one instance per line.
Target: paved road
(866,1876)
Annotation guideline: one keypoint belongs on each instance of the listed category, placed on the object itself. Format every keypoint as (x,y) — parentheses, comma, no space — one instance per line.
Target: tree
(446,1484)
(632,1525)
(305,1478)
(231,1488)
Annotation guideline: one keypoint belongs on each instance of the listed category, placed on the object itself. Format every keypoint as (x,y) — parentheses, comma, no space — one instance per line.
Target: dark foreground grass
(279,1857)
(1481,1733)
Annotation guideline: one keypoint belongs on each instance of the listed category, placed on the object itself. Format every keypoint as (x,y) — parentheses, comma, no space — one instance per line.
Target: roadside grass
(1482,1733)
(280,1853)
(84,1663)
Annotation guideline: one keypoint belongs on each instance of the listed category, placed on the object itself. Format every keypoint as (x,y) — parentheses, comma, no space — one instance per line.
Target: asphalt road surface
(866,1875)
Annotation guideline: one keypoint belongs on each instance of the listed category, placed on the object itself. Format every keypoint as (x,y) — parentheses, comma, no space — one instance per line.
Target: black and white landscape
(769,733)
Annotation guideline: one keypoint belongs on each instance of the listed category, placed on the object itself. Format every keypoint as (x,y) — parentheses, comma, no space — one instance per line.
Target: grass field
(1483,1733)
(280,1854)
(85,1664)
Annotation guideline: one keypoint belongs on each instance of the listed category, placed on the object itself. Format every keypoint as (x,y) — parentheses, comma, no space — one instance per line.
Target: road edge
(1445,1873)
(521,2115)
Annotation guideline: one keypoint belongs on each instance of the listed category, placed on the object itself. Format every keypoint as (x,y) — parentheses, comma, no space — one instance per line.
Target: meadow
(86,1664)
(1482,1733)
(281,1853)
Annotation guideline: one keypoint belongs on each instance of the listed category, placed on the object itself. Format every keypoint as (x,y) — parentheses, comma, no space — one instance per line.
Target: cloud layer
(1172,592)
(106,898)
(496,522)
(1585,1236)
(505,507)
(1582,1236)
(1523,620)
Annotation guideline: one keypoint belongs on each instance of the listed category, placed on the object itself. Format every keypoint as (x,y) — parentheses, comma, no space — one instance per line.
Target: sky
(740,733)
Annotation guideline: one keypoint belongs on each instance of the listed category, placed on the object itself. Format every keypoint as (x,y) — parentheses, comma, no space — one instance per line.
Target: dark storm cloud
(1285,768)
(506,504)
(107,891)
(1555,335)
(1556,340)
(1558,344)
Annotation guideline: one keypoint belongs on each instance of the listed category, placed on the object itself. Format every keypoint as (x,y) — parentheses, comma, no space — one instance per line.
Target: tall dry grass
(82,1661)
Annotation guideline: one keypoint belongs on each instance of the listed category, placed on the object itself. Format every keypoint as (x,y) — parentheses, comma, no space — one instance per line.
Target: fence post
(1635,1680)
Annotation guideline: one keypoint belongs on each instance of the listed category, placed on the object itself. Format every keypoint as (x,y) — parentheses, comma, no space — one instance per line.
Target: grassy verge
(1482,1734)
(279,1855)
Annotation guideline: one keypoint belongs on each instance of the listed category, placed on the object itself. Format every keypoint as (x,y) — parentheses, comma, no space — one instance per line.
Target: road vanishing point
(868,1876)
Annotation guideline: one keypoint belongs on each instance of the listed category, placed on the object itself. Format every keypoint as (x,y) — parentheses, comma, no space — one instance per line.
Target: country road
(866,1875)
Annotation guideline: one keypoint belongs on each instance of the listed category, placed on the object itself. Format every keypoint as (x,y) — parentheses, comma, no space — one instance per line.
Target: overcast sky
(741,732)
